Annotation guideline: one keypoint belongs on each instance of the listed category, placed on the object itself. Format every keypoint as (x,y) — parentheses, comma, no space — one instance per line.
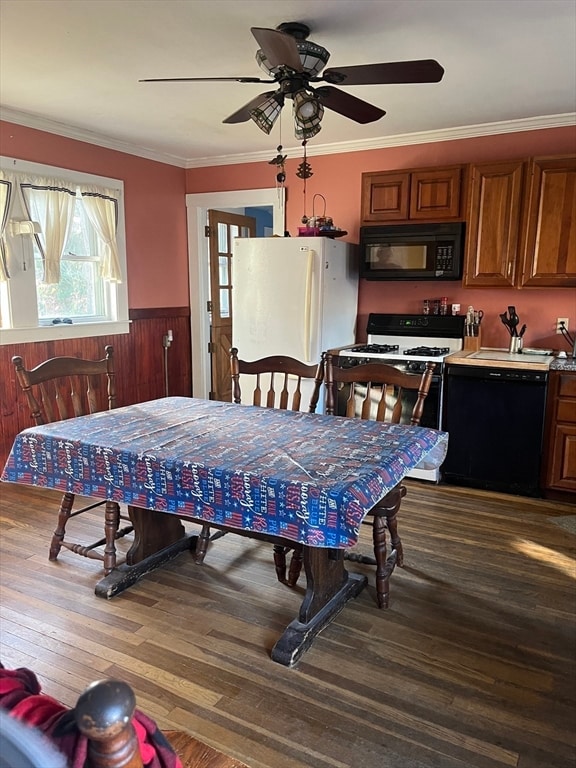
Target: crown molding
(381,142)
(29,120)
(401,140)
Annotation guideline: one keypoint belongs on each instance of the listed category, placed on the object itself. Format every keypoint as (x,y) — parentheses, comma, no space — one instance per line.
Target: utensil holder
(515,345)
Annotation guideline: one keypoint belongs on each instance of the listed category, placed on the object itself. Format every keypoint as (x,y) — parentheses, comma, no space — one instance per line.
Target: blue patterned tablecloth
(306,477)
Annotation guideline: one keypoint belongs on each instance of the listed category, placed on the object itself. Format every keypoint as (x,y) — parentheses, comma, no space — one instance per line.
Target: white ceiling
(72,67)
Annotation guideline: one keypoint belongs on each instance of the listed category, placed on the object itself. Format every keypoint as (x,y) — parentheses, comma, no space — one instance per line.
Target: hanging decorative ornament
(279,161)
(304,169)
(315,225)
(304,172)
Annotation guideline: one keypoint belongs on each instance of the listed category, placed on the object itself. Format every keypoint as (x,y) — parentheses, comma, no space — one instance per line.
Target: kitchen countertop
(563,364)
(501,358)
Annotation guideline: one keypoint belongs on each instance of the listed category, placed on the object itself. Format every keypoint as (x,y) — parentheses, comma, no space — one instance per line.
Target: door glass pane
(224,302)
(244,232)
(222,238)
(223,270)
(233,231)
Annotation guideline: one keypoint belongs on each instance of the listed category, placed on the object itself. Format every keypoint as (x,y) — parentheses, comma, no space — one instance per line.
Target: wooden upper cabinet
(493,224)
(549,252)
(428,194)
(521,224)
(385,197)
(435,194)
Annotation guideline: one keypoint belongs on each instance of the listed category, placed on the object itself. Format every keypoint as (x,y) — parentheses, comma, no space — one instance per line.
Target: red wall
(338,178)
(155,209)
(156,215)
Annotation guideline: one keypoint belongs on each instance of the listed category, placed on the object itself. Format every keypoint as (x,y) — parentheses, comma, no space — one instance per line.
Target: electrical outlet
(561,322)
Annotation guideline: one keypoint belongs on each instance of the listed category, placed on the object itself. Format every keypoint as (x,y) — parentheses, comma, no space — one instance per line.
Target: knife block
(472,343)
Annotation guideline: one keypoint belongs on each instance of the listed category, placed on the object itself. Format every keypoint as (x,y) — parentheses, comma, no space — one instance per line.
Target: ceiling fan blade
(348,105)
(205,80)
(243,114)
(420,71)
(279,48)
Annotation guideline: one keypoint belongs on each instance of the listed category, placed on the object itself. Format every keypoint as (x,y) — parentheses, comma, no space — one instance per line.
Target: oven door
(432,404)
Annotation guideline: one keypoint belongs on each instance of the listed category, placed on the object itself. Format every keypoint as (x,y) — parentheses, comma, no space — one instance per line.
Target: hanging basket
(319,226)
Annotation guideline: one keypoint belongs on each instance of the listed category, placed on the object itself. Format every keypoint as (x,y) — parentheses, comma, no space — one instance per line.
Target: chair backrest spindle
(282,377)
(376,390)
(63,387)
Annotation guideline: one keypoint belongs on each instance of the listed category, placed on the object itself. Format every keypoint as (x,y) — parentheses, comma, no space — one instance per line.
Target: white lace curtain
(6,196)
(51,203)
(101,208)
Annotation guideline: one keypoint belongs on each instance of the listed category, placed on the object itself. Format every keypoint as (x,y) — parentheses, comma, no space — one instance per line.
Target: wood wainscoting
(138,358)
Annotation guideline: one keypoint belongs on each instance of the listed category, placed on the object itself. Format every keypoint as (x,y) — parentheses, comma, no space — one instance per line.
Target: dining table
(276,475)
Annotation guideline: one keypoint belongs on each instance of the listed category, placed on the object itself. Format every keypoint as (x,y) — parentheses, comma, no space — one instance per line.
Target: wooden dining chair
(42,735)
(62,388)
(276,382)
(378,392)
(104,713)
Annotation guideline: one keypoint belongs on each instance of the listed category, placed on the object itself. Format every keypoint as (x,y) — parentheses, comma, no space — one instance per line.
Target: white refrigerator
(293,296)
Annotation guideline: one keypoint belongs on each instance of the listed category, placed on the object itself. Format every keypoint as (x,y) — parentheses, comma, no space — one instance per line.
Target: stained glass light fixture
(307,108)
(266,113)
(308,112)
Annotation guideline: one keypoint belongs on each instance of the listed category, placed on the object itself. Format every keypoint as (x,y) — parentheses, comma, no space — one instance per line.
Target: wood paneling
(138,358)
(472,666)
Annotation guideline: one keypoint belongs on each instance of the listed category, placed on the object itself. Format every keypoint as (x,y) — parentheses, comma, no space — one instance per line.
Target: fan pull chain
(279,162)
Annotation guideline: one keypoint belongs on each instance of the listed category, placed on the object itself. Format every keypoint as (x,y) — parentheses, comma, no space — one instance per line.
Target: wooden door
(223,228)
(493,224)
(550,242)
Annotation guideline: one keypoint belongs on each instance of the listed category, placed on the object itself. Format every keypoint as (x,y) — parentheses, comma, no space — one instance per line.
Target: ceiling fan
(294,62)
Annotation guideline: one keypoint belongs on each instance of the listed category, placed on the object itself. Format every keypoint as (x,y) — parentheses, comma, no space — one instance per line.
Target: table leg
(158,538)
(328,588)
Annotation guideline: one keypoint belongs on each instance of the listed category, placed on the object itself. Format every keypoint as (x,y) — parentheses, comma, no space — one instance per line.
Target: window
(63,254)
(80,295)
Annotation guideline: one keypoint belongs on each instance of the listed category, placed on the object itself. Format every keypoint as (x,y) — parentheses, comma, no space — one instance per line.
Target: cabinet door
(493,224)
(562,470)
(559,465)
(550,239)
(435,194)
(385,197)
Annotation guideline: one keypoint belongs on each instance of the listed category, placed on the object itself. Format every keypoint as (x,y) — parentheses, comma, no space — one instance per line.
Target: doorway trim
(197,207)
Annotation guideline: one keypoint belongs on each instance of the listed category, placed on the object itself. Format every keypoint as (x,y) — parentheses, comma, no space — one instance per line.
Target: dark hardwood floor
(473,665)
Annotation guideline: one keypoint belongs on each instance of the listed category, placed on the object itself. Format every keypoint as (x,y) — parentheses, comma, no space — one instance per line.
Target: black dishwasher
(495,420)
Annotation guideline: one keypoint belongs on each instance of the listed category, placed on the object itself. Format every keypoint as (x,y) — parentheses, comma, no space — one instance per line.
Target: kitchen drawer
(567,387)
(566,410)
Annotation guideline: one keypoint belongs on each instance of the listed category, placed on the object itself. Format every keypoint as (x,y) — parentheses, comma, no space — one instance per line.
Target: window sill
(62,331)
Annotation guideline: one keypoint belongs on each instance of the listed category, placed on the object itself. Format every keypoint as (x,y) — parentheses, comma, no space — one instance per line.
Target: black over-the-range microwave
(412,251)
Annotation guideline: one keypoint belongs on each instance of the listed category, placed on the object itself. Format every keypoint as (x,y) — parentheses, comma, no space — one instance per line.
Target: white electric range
(408,342)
